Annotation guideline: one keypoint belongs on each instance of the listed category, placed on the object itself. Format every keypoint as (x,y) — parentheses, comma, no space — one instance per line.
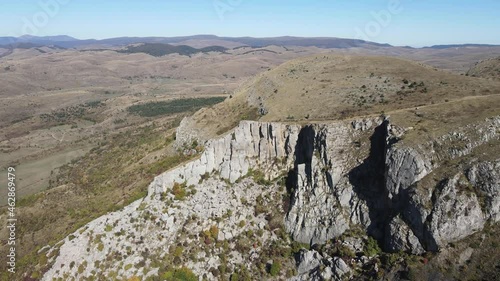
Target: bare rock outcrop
(486,177)
(339,176)
(252,145)
(404,167)
(402,238)
(456,213)
(313,266)
(324,201)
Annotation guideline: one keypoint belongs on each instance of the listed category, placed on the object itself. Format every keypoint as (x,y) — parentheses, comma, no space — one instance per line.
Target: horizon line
(265,37)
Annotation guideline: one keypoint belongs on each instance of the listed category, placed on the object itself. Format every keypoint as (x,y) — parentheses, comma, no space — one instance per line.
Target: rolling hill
(332,87)
(486,69)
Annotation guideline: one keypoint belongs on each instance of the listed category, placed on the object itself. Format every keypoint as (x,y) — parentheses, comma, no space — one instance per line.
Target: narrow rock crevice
(368,181)
(304,150)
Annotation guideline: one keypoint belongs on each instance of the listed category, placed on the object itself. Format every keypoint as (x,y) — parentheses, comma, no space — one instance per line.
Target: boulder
(456,213)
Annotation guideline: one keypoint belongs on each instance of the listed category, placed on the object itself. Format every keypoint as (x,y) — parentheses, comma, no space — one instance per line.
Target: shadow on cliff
(368,180)
(304,149)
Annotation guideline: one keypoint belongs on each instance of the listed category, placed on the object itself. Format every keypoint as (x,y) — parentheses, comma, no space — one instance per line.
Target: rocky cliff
(231,210)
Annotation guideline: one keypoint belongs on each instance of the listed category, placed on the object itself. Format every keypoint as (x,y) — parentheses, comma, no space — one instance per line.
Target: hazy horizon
(243,36)
(396,22)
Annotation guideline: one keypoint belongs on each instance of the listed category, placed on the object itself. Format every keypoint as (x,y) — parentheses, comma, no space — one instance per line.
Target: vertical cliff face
(327,196)
(456,213)
(405,166)
(324,199)
(353,173)
(431,215)
(252,145)
(339,176)
(381,190)
(486,176)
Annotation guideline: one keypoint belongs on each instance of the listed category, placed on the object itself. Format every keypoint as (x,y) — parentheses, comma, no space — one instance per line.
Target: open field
(36,175)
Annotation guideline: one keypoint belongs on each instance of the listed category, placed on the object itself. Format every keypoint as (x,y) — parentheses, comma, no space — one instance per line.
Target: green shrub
(179,191)
(214,231)
(242,223)
(296,247)
(258,177)
(412,275)
(43,259)
(178,251)
(81,269)
(194,144)
(371,247)
(242,274)
(185,274)
(389,260)
(180,274)
(235,277)
(34,275)
(275,269)
(346,252)
(167,163)
(204,177)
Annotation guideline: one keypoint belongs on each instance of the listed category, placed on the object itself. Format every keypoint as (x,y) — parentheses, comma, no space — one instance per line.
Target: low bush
(180,274)
(179,191)
(371,247)
(275,269)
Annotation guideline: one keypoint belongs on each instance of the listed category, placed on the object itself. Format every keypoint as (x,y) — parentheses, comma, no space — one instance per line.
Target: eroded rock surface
(313,266)
(338,176)
(486,177)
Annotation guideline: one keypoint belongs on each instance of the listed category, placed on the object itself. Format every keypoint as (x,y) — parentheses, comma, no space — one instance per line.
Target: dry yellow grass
(36,83)
(489,69)
(330,87)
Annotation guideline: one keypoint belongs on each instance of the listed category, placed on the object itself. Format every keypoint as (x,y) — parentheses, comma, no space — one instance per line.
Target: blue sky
(398,22)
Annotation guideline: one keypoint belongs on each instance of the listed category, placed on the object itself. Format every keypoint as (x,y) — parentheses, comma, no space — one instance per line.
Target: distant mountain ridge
(70,42)
(57,38)
(461,46)
(65,41)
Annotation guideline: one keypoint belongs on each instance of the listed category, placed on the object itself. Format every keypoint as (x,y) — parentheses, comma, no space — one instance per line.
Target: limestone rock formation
(405,166)
(486,177)
(313,266)
(324,202)
(340,176)
(402,238)
(456,213)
